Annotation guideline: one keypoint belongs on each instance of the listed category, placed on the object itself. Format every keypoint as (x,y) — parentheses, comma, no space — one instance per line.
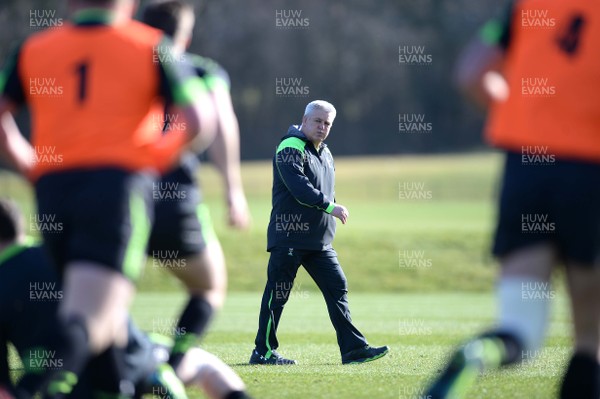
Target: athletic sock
(524,305)
(191,326)
(70,353)
(582,378)
(112,380)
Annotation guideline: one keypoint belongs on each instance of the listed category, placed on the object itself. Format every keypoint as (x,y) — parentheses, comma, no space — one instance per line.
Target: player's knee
(106,331)
(216,298)
(213,374)
(203,274)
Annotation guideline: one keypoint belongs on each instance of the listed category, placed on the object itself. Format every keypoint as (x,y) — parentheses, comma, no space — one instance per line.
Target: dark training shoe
(365,354)
(274,359)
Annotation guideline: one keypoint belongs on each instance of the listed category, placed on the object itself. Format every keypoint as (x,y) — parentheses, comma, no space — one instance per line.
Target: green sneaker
(464,368)
(274,359)
(366,354)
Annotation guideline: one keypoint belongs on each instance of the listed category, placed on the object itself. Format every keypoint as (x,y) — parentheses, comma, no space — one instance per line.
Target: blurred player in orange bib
(538,72)
(94,86)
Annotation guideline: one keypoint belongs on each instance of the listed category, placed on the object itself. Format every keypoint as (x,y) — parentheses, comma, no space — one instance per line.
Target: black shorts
(557,201)
(182,225)
(101,215)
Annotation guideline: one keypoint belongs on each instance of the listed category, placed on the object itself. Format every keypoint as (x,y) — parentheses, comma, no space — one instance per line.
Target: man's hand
(239,216)
(15,150)
(341,213)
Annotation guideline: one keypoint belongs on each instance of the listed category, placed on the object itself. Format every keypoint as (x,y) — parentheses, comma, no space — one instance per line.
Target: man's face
(316,125)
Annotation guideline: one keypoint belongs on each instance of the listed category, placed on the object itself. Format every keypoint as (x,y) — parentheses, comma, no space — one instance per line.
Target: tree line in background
(386,66)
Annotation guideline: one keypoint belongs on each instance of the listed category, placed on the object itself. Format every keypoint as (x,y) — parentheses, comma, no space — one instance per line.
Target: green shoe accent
(473,359)
(184,342)
(269,350)
(493,354)
(463,382)
(63,383)
(370,359)
(166,377)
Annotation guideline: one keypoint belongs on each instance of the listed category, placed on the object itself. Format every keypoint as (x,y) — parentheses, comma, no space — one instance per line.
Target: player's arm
(199,116)
(224,152)
(15,150)
(190,103)
(479,67)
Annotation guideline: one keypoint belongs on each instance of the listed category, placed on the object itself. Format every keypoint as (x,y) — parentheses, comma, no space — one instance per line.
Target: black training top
(303,195)
(29,297)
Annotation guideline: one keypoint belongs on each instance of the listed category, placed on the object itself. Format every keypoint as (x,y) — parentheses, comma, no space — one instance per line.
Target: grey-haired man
(300,232)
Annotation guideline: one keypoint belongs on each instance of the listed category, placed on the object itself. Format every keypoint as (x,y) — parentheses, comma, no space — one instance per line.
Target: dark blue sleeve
(4,372)
(289,167)
(11,85)
(507,20)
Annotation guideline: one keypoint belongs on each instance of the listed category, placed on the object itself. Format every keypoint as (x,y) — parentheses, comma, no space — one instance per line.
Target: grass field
(415,252)
(450,230)
(421,329)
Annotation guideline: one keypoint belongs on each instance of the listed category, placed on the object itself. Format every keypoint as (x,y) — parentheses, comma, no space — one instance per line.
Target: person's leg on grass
(281,273)
(208,372)
(523,294)
(105,245)
(205,278)
(582,377)
(326,271)
(92,316)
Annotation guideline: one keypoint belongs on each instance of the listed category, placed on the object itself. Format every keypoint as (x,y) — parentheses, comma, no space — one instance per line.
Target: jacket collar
(294,131)
(93,17)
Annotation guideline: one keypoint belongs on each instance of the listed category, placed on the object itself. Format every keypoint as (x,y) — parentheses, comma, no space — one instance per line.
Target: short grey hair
(320,105)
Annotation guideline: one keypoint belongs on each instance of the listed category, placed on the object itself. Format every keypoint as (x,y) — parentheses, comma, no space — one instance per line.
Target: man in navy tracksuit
(300,233)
